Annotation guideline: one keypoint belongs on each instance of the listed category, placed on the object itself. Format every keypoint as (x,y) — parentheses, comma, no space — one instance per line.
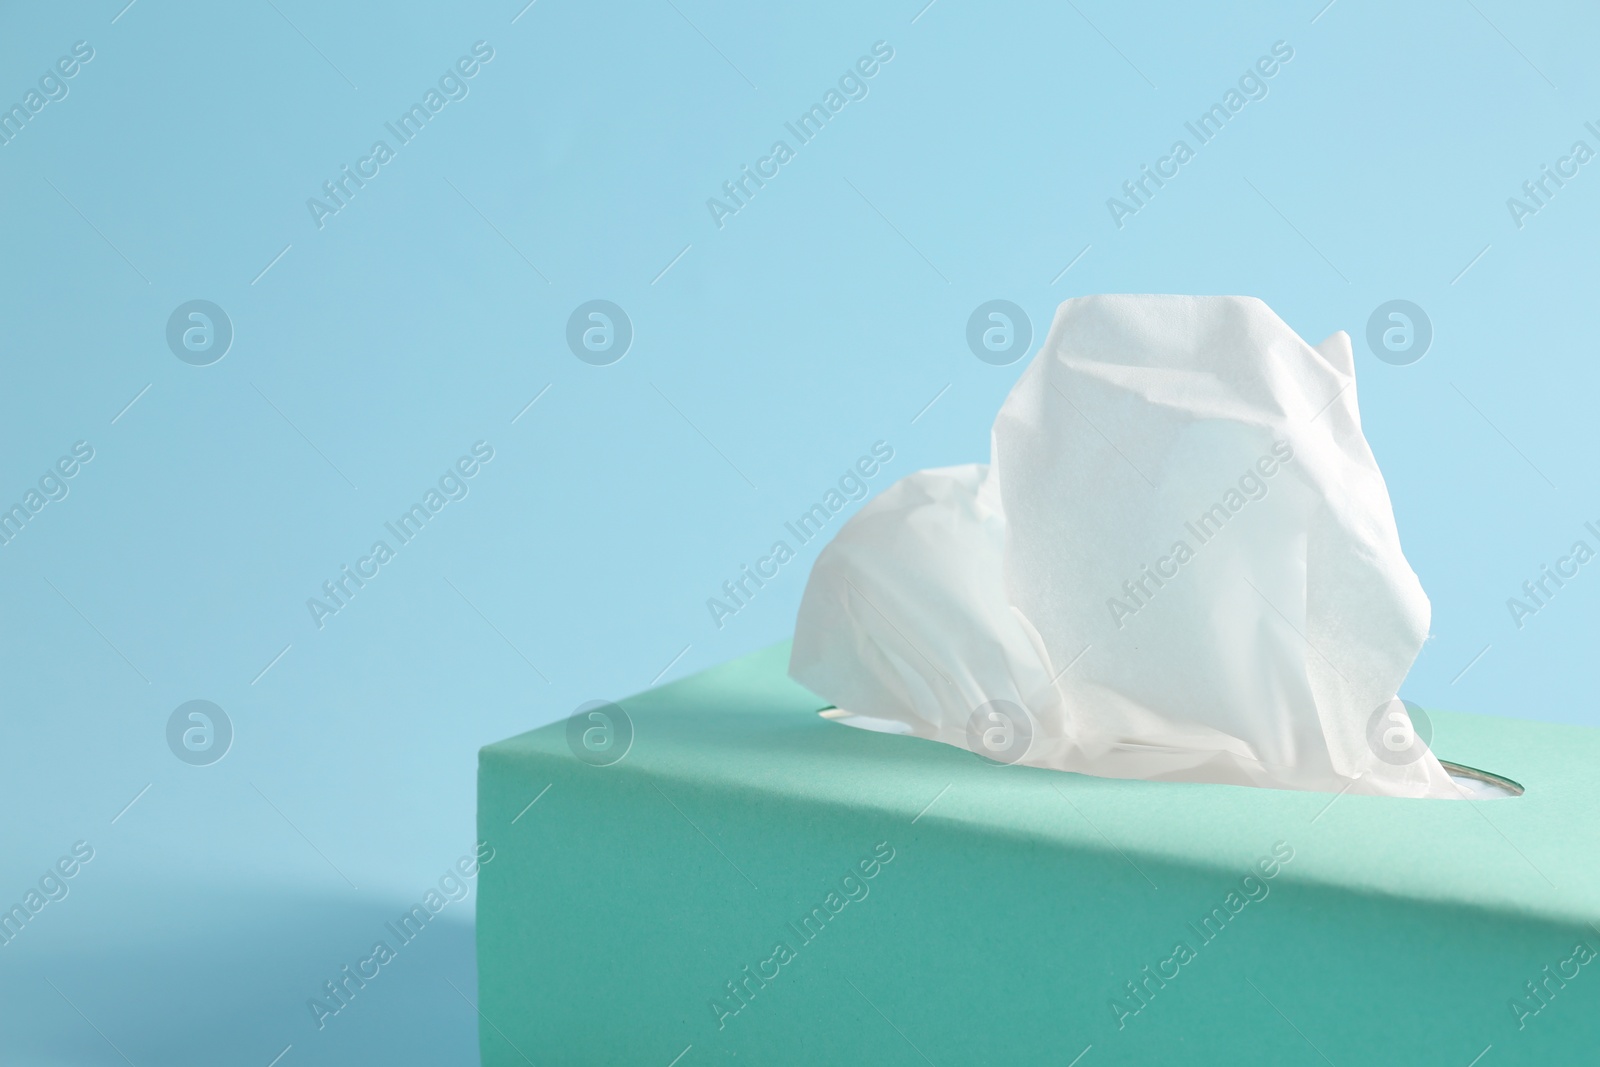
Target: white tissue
(1065,606)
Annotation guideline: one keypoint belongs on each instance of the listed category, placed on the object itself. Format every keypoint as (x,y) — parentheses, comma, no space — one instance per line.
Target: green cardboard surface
(677,902)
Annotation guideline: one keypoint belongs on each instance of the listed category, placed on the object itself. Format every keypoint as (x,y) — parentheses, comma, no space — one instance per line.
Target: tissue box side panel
(610,930)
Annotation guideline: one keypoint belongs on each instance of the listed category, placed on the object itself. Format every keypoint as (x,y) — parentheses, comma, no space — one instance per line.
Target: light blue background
(823,317)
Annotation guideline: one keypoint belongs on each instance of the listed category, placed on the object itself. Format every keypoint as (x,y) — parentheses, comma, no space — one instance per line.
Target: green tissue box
(751,883)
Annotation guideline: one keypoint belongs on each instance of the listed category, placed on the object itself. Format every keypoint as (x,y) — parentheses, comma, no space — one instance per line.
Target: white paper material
(1181,564)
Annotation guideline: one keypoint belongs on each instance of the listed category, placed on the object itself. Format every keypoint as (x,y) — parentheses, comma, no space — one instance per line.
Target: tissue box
(752,883)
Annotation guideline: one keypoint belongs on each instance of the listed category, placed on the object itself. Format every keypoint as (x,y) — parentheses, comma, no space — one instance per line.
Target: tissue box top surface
(750,738)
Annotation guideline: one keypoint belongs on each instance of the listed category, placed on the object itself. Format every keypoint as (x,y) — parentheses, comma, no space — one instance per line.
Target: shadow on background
(225,978)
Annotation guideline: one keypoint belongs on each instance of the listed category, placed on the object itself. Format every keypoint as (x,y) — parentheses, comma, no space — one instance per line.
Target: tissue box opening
(1473,783)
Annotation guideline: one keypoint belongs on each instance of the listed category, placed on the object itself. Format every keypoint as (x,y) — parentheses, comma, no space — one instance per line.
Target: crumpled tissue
(1181,563)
